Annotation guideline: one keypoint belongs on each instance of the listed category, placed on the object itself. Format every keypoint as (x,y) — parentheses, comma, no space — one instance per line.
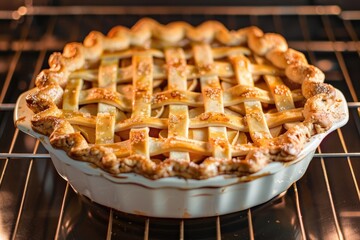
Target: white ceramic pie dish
(175,197)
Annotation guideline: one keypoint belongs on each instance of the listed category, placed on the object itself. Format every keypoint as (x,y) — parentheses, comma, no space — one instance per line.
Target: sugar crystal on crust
(282,90)
(143,68)
(213,93)
(137,137)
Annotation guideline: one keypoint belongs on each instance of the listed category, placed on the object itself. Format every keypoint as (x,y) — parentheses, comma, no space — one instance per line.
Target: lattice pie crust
(177,100)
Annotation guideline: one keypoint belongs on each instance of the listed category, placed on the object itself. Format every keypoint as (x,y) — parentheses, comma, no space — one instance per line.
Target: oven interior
(36,203)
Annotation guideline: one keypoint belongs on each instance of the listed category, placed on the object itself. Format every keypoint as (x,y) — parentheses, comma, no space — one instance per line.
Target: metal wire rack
(37,203)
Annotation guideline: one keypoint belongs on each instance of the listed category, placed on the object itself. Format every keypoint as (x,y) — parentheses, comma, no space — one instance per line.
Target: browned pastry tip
(261,45)
(118,31)
(283,59)
(142,31)
(298,73)
(66,141)
(318,112)
(208,31)
(310,89)
(71,59)
(73,56)
(257,159)
(45,121)
(94,44)
(171,33)
(144,23)
(102,157)
(118,39)
(44,98)
(109,160)
(44,125)
(93,38)
(48,77)
(283,148)
(292,142)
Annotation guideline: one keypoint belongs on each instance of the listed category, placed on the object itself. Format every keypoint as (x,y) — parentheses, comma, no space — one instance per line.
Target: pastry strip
(213,101)
(178,115)
(105,121)
(72,94)
(141,102)
(254,115)
(282,94)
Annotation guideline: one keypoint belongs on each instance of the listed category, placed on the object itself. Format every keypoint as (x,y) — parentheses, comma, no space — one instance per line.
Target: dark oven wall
(344,4)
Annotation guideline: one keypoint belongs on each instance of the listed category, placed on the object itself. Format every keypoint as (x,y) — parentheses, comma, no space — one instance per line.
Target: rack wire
(324,204)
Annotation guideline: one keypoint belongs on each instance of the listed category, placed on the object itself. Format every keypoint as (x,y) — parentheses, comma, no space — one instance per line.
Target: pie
(177,100)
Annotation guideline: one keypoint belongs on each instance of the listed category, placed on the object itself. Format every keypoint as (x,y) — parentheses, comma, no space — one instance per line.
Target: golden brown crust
(45,97)
(262,44)
(283,59)
(220,155)
(298,73)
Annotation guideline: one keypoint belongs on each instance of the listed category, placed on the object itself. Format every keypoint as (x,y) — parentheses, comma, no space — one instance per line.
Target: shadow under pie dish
(180,121)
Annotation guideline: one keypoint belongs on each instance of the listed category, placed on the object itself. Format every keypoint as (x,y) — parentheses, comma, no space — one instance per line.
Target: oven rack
(339,154)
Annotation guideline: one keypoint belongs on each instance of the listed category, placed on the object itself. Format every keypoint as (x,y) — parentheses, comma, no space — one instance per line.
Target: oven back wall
(345,4)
